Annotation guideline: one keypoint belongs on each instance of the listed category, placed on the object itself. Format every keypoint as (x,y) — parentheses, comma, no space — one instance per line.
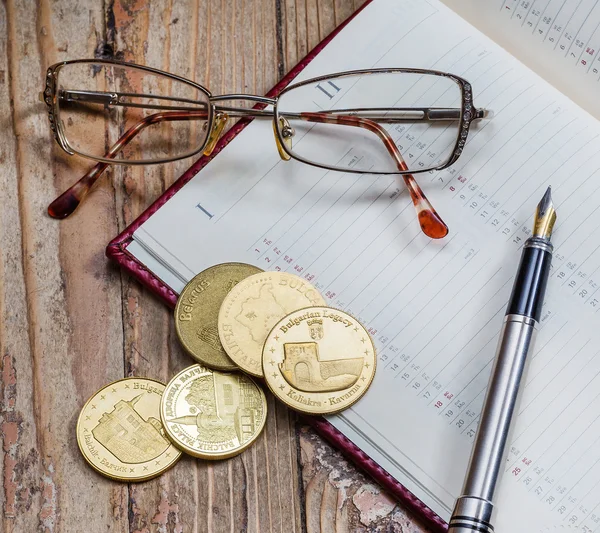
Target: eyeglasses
(377,121)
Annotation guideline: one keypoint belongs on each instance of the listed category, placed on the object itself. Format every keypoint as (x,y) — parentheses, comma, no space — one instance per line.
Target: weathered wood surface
(70,321)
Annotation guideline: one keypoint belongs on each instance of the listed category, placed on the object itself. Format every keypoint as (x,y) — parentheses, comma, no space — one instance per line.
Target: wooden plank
(72,336)
(222,491)
(339,498)
(19,471)
(70,322)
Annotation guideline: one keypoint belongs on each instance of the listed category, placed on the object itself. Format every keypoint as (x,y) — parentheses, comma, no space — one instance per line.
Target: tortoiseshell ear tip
(432,225)
(64,205)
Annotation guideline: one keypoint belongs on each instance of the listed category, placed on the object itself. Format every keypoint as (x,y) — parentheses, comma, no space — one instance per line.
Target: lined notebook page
(434,308)
(558,39)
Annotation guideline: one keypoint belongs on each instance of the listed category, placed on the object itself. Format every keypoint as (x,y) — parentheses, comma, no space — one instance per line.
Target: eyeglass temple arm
(431,223)
(113,99)
(381,115)
(68,201)
(409,114)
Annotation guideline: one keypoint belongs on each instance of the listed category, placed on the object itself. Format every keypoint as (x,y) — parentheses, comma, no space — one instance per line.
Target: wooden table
(70,321)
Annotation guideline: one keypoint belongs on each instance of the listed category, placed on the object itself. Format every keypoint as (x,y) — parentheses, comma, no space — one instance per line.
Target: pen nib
(545,217)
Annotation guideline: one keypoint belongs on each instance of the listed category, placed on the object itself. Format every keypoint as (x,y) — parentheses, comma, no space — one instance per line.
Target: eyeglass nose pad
(215,132)
(287,132)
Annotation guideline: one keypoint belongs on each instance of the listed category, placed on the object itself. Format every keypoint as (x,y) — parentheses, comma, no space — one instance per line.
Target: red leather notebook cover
(117,250)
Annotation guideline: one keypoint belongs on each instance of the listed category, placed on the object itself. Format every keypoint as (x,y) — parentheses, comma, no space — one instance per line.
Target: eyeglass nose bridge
(222,113)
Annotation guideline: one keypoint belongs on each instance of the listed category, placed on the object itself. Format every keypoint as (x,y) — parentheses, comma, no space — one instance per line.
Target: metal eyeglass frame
(217,115)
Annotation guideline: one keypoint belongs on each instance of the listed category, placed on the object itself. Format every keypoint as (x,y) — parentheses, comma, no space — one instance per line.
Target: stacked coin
(318,360)
(197,311)
(253,307)
(230,317)
(120,434)
(211,414)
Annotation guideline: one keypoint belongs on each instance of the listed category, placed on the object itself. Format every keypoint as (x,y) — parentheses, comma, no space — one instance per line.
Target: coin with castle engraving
(319,360)
(211,414)
(120,434)
(253,307)
(197,311)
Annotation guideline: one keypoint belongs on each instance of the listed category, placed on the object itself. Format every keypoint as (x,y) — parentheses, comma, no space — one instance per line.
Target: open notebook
(435,308)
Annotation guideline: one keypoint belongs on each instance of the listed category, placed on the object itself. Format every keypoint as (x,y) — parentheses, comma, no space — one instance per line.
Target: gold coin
(211,414)
(319,360)
(197,311)
(120,434)
(253,307)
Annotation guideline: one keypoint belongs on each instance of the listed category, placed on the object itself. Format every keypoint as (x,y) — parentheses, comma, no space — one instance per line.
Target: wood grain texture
(70,321)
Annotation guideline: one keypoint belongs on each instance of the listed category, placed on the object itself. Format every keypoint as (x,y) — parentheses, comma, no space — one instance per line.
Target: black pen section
(530,286)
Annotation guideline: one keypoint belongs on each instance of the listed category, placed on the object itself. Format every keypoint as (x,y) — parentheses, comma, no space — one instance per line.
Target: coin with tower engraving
(211,414)
(253,307)
(197,311)
(319,360)
(120,434)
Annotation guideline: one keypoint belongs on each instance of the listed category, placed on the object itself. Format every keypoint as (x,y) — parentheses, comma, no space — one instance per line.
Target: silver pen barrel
(473,511)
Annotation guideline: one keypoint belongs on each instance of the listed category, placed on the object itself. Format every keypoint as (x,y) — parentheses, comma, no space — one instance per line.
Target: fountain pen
(474,507)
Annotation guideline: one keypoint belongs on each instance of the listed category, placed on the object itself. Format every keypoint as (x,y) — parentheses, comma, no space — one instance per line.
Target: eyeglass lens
(419,113)
(157,118)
